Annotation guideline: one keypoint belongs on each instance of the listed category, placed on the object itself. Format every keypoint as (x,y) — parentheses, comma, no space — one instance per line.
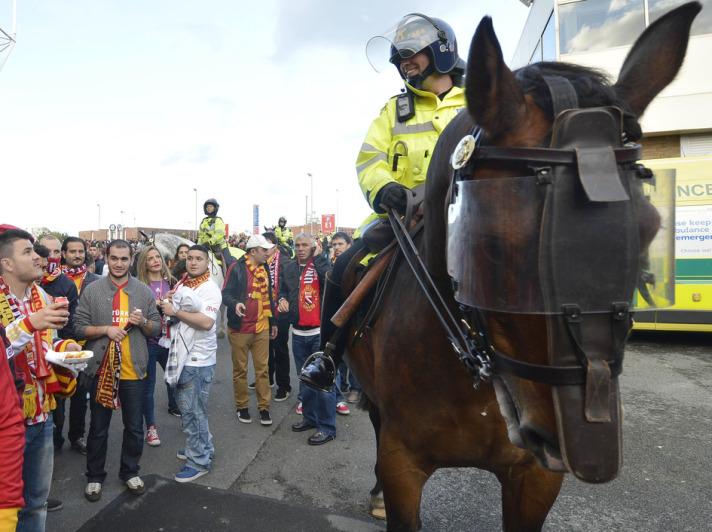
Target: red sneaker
(342,409)
(152,436)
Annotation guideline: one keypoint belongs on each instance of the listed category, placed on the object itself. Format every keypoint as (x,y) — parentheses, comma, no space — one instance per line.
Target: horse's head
(168,243)
(551,222)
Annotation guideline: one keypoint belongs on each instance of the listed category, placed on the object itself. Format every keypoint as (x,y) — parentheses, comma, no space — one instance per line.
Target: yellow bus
(692,310)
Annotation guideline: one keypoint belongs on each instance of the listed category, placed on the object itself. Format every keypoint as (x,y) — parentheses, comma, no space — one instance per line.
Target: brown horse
(526,431)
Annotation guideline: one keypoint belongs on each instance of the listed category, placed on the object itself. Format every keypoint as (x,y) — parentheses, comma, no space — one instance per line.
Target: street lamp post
(311,211)
(196,211)
(123,228)
(99,231)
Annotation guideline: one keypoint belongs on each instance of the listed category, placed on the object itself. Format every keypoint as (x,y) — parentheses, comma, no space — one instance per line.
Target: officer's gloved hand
(393,196)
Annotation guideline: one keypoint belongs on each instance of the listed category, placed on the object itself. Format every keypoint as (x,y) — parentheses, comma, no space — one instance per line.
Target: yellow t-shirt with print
(120,318)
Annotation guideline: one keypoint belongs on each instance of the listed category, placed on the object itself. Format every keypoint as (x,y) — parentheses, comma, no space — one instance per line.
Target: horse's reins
(469,352)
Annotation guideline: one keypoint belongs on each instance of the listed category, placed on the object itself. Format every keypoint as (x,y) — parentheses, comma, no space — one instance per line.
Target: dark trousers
(131,395)
(279,356)
(77,416)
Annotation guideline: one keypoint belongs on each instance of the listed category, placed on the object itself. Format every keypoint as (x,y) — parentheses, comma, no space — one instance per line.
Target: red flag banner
(328,223)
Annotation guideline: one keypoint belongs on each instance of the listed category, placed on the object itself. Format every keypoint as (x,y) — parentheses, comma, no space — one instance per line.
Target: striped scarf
(107,388)
(194,282)
(42,374)
(77,275)
(50,277)
(260,287)
(74,272)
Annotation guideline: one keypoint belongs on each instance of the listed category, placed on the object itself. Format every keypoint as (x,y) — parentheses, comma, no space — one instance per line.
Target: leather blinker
(593,134)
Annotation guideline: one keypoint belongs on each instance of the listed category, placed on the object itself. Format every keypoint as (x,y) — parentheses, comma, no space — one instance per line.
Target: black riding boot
(321,371)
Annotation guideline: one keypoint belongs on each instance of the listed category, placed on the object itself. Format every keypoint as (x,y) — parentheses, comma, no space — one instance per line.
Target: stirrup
(330,373)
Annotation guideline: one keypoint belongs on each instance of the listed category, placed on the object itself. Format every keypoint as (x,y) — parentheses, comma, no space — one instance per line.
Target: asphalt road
(664,484)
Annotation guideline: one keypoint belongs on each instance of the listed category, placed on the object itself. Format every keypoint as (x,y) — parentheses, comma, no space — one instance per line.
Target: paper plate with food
(69,359)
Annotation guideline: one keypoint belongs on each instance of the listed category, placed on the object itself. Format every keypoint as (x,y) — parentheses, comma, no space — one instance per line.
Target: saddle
(363,287)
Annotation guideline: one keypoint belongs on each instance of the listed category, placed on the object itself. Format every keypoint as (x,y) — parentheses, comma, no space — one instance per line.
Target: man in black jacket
(279,347)
(56,284)
(300,295)
(247,296)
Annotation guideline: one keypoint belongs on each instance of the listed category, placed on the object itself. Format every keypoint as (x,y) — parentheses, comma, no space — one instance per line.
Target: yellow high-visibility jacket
(401,151)
(212,232)
(283,235)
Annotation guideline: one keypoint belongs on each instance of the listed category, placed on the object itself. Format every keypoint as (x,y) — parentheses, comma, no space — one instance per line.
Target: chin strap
(417,81)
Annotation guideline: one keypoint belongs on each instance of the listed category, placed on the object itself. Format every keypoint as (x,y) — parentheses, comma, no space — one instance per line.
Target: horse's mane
(593,87)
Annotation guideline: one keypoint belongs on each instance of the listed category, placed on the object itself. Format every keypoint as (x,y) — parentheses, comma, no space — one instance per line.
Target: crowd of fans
(64,287)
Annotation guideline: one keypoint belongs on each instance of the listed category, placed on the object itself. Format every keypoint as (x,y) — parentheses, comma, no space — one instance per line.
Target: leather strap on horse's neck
(563,94)
(390,256)
(412,256)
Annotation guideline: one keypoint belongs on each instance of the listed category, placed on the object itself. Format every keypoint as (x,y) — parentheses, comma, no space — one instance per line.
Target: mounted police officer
(211,232)
(284,233)
(397,150)
(285,237)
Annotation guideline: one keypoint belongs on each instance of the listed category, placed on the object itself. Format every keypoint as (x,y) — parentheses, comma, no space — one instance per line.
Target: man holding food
(31,321)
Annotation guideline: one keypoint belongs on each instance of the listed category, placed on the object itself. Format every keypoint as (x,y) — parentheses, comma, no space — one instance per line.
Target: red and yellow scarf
(260,287)
(107,388)
(193,282)
(109,372)
(76,274)
(309,303)
(42,374)
(50,277)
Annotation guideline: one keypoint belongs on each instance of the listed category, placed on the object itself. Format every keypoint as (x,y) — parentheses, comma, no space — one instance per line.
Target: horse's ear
(494,98)
(656,57)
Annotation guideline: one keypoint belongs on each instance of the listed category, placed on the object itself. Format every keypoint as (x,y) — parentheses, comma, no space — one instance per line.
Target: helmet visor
(408,37)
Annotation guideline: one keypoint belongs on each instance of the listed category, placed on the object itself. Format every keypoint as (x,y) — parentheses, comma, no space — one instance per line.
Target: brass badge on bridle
(463,152)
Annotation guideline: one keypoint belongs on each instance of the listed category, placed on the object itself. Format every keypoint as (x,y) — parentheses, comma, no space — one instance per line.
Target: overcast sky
(131,105)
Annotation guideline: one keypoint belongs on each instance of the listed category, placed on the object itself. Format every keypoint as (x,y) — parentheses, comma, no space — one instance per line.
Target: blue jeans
(348,379)
(318,408)
(131,399)
(158,354)
(36,475)
(337,388)
(193,391)
(302,347)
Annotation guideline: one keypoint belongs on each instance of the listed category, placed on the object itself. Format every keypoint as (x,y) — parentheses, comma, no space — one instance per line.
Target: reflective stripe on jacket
(401,151)
(212,231)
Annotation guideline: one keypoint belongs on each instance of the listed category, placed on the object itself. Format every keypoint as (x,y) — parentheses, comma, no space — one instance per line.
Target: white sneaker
(136,485)
(93,491)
